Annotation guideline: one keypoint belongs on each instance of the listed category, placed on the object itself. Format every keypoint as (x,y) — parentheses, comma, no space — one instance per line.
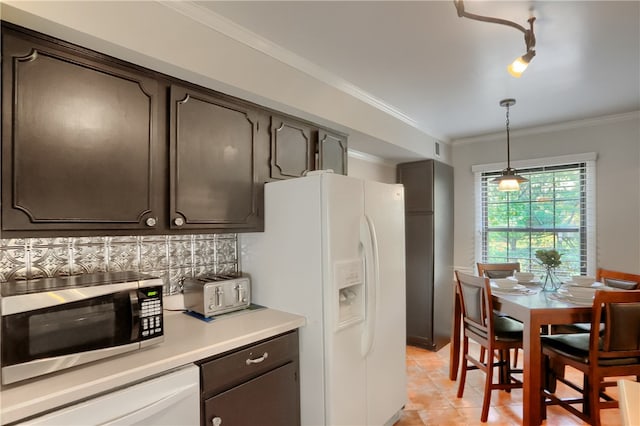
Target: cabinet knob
(151,221)
(178,221)
(216,421)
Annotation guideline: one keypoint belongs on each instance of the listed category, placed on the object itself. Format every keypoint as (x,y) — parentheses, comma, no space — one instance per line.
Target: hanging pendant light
(508,180)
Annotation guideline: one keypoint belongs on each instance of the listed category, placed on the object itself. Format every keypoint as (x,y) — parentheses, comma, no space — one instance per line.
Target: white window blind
(554,209)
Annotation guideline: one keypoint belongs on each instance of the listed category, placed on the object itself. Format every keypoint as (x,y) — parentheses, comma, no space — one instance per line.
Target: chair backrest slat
(617,279)
(497,270)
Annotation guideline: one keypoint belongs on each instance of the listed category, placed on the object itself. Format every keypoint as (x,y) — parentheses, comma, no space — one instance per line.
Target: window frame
(588,231)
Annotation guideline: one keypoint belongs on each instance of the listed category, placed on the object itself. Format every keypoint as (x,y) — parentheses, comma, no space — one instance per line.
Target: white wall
(616,140)
(371,168)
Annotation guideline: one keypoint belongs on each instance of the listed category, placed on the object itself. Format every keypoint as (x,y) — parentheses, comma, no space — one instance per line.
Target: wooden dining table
(534,311)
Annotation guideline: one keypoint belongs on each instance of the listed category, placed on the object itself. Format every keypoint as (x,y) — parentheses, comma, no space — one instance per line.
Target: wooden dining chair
(497,270)
(496,334)
(599,356)
(493,271)
(610,278)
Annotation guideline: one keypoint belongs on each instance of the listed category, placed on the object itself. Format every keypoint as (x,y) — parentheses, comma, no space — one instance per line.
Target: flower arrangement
(549,258)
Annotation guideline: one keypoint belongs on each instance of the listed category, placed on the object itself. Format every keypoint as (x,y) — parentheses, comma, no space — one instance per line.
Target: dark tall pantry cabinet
(429,251)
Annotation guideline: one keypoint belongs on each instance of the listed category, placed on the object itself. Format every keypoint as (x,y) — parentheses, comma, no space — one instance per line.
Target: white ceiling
(445,74)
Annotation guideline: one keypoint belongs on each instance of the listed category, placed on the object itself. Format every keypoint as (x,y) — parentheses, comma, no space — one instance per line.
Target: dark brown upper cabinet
(93,145)
(292,148)
(78,141)
(298,147)
(212,154)
(332,151)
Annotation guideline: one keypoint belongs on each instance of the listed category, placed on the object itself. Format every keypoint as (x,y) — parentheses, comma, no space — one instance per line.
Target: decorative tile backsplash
(170,257)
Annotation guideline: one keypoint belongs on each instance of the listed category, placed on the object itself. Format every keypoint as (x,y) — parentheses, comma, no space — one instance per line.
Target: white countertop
(187,339)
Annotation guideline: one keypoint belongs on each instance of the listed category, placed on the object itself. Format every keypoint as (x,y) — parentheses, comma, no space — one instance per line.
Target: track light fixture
(508,180)
(520,64)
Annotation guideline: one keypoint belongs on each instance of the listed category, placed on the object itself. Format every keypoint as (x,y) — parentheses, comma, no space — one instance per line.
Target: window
(553,210)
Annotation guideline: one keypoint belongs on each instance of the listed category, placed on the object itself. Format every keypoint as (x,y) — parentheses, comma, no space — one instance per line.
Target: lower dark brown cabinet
(269,399)
(254,385)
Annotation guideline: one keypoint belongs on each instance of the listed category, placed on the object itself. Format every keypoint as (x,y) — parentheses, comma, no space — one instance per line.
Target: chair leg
(507,368)
(463,369)
(515,358)
(586,395)
(594,398)
(482,351)
(549,379)
(487,387)
(501,374)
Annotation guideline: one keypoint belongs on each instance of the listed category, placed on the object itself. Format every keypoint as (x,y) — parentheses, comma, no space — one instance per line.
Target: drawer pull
(257,360)
(216,421)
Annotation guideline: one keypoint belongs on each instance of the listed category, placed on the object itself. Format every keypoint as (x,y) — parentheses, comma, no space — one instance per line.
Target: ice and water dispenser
(349,280)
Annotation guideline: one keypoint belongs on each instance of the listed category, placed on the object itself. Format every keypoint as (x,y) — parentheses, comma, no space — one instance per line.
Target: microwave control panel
(150,313)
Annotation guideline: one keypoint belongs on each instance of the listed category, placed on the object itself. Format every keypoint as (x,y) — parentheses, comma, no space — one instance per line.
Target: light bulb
(517,67)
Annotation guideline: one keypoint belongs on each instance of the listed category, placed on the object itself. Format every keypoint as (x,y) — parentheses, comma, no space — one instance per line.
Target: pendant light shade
(509,180)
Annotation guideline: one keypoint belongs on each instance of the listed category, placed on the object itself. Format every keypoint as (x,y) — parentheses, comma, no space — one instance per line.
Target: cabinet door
(268,400)
(419,276)
(292,148)
(78,137)
(417,178)
(213,178)
(332,152)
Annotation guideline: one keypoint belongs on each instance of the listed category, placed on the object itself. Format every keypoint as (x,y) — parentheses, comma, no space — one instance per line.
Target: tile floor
(432,397)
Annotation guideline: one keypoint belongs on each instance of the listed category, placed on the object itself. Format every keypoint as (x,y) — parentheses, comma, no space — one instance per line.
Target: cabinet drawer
(244,364)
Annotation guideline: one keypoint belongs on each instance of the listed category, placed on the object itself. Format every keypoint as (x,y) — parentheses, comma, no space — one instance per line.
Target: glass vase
(551,281)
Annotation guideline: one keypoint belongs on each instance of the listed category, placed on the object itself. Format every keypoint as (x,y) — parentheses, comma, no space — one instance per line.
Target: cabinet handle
(257,360)
(216,421)
(151,221)
(178,221)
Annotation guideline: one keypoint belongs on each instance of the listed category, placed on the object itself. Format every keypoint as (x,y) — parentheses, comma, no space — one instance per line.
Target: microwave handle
(135,315)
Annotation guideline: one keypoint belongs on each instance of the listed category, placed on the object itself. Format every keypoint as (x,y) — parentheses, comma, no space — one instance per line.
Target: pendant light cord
(508,142)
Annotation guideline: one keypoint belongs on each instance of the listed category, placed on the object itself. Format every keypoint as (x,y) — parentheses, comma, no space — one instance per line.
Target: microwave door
(50,338)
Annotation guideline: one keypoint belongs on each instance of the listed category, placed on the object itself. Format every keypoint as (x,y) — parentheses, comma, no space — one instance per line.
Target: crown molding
(237,32)
(352,153)
(556,127)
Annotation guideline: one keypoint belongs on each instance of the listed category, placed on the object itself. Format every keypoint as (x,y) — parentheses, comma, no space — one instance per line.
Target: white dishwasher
(172,399)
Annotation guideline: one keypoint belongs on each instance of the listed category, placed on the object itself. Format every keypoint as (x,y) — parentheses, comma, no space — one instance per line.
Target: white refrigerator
(333,250)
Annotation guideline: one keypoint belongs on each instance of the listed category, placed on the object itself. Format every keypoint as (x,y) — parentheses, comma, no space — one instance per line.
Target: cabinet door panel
(78,140)
(270,399)
(332,152)
(213,181)
(419,285)
(417,178)
(292,148)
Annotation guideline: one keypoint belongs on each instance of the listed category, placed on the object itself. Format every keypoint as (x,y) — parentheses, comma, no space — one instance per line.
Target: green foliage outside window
(547,213)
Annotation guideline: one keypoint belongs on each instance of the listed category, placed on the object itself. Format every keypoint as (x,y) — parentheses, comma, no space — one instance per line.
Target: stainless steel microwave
(51,324)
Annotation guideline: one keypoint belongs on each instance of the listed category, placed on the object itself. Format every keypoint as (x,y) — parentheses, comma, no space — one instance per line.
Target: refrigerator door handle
(371,280)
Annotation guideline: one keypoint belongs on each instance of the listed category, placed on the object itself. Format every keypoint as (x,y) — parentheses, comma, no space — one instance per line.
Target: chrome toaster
(210,295)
